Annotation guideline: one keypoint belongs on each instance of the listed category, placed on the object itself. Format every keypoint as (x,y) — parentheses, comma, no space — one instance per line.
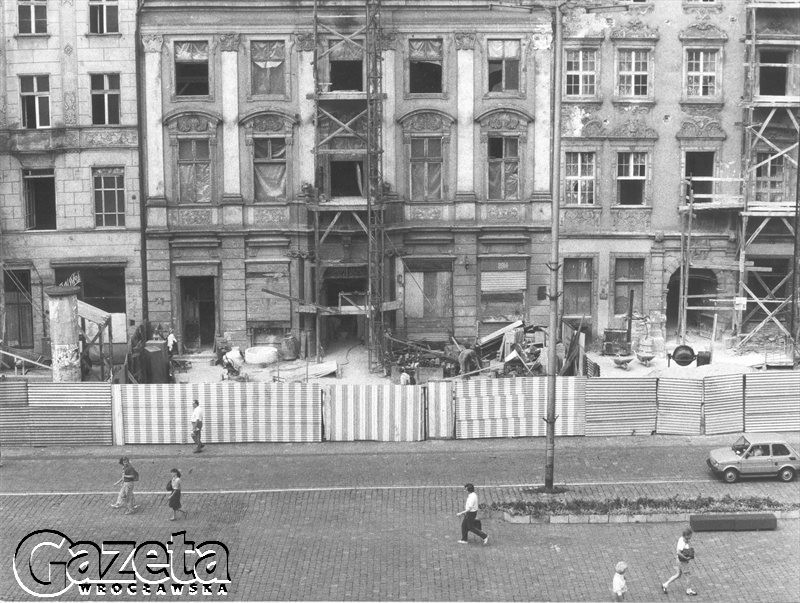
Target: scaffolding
(348,115)
(771,131)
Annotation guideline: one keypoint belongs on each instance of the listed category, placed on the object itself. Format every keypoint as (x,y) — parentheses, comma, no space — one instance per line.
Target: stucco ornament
(701,127)
(267,123)
(387,39)
(152,42)
(70,115)
(633,128)
(635,29)
(580,219)
(637,220)
(426,122)
(229,42)
(304,42)
(68,49)
(703,30)
(503,120)
(426,213)
(465,40)
(192,123)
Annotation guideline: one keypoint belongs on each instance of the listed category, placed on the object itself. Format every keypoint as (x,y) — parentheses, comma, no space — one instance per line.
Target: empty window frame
(194,170)
(503,168)
(109,196)
(770,175)
(39,189)
(773,72)
(581,72)
(347,179)
(426,168)
(631,178)
(346,66)
(503,66)
(628,276)
(701,73)
(633,72)
(578,287)
(103,16)
(268,68)
(191,69)
(269,169)
(100,286)
(105,98)
(425,58)
(579,178)
(35,101)
(699,168)
(32,16)
(18,308)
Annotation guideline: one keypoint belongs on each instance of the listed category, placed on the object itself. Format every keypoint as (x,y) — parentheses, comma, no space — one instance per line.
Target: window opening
(578,287)
(631,178)
(425,66)
(773,72)
(103,16)
(700,164)
(100,286)
(40,199)
(634,68)
(769,178)
(581,72)
(32,16)
(426,169)
(347,179)
(194,169)
(579,189)
(35,100)
(628,276)
(109,197)
(503,167)
(503,65)
(19,308)
(701,73)
(269,168)
(191,69)
(268,67)
(105,98)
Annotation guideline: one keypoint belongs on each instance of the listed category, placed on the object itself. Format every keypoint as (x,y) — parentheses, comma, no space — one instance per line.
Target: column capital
(465,40)
(152,42)
(229,42)
(304,42)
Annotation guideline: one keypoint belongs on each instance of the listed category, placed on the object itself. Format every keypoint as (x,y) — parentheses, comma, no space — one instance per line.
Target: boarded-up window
(503,285)
(268,71)
(428,294)
(628,276)
(262,306)
(578,287)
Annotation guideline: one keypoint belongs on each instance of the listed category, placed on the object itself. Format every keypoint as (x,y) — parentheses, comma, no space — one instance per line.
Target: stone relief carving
(504,120)
(580,219)
(229,42)
(108,138)
(702,110)
(267,123)
(703,11)
(70,115)
(427,122)
(68,49)
(67,2)
(194,217)
(152,42)
(641,9)
(503,212)
(636,220)
(701,127)
(465,40)
(270,215)
(426,213)
(304,42)
(703,30)
(633,128)
(635,29)
(387,39)
(192,123)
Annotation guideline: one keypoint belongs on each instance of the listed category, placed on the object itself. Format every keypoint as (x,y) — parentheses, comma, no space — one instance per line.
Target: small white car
(756,454)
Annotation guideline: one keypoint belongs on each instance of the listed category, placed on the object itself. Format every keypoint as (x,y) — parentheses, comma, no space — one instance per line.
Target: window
(269,168)
(633,73)
(769,178)
(268,68)
(105,98)
(780,450)
(39,188)
(580,175)
(503,167)
(773,72)
(628,276)
(109,197)
(503,286)
(191,69)
(578,287)
(32,16)
(103,16)
(100,286)
(347,179)
(346,65)
(631,178)
(194,170)
(35,101)
(426,169)
(700,169)
(581,72)
(701,73)
(19,308)
(425,66)
(428,294)
(503,65)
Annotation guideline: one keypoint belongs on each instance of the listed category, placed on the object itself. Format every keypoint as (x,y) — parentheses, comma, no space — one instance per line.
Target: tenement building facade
(69,199)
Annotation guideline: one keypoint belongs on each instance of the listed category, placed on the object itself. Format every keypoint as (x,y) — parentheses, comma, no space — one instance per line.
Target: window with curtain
(269,168)
(194,170)
(579,178)
(578,287)
(425,66)
(191,69)
(426,169)
(268,67)
(503,65)
(628,276)
(503,175)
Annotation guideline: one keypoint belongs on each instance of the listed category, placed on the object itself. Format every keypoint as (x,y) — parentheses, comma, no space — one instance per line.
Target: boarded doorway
(198,312)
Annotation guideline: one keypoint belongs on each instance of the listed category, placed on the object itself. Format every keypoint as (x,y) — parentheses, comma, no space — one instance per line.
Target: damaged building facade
(69,200)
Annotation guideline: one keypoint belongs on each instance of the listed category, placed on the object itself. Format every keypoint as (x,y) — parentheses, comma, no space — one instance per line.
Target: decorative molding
(304,42)
(701,127)
(192,122)
(504,119)
(702,10)
(705,108)
(67,2)
(634,128)
(703,31)
(636,220)
(581,219)
(641,9)
(270,215)
(426,121)
(108,138)
(465,40)
(152,42)
(193,217)
(269,122)
(68,49)
(504,212)
(70,115)
(425,213)
(229,42)
(387,39)
(634,30)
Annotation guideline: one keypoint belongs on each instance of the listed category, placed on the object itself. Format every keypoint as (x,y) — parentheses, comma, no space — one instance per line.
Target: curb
(617,518)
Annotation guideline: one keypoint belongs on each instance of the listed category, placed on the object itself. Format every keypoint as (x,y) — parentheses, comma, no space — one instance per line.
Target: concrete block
(578,519)
(718,522)
(619,518)
(508,517)
(598,519)
(559,519)
(656,518)
(638,518)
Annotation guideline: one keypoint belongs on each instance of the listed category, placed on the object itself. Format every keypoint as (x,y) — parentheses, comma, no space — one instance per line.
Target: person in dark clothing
(174,487)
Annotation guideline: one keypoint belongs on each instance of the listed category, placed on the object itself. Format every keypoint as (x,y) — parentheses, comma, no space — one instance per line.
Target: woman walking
(174,486)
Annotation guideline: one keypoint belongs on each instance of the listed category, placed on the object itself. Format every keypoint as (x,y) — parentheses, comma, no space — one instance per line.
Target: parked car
(756,454)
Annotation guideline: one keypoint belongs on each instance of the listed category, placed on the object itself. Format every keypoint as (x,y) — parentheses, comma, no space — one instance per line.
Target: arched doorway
(701,282)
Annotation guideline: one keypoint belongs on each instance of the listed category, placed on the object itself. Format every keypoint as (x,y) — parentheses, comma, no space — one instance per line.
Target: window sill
(582,100)
(585,206)
(31,36)
(270,97)
(425,95)
(199,98)
(111,34)
(711,102)
(641,102)
(510,94)
(643,207)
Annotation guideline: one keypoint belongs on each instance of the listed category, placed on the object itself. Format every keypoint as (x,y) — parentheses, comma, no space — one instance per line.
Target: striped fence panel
(441,418)
(496,408)
(772,401)
(70,413)
(680,404)
(620,406)
(723,403)
(234,412)
(15,416)
(384,413)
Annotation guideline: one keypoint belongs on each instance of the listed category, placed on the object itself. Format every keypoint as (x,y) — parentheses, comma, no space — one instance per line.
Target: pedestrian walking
(685,554)
(174,487)
(125,496)
(468,524)
(197,426)
(619,586)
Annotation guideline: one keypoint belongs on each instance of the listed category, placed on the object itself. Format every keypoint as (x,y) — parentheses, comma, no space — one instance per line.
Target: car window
(758,450)
(780,450)
(740,445)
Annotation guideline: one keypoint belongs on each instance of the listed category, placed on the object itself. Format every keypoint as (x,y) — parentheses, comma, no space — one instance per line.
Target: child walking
(619,586)
(174,486)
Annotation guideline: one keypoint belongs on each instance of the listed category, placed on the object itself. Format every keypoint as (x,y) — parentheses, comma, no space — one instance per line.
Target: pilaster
(153,117)
(305,87)
(465,147)
(229,80)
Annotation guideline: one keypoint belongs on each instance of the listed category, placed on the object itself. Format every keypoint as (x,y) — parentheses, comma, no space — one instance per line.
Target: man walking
(125,496)
(197,426)
(470,512)
(685,553)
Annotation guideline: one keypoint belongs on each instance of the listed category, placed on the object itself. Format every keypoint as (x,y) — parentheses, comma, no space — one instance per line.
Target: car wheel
(731,476)
(786,474)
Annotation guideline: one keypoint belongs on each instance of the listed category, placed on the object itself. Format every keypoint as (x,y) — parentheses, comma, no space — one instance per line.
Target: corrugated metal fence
(723,400)
(680,404)
(441,413)
(385,413)
(772,401)
(620,406)
(15,416)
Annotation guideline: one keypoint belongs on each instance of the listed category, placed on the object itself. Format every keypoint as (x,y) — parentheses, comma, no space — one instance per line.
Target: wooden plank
(93,313)
(499,332)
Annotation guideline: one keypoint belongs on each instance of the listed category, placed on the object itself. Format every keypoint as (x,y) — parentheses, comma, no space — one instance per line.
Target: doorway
(701,282)
(198,312)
